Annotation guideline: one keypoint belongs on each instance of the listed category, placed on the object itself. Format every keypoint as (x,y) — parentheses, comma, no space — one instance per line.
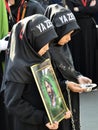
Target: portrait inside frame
(49,90)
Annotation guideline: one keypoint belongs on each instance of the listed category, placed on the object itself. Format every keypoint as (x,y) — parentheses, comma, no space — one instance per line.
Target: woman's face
(44,49)
(11,2)
(65,39)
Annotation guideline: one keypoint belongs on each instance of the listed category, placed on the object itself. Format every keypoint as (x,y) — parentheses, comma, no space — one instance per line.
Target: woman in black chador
(66,26)
(29,44)
(83,44)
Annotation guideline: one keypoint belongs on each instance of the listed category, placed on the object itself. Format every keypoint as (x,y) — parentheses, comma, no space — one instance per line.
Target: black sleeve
(19,107)
(69,74)
(63,74)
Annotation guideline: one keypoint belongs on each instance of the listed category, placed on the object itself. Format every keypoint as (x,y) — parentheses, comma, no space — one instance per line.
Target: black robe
(22,98)
(64,69)
(83,44)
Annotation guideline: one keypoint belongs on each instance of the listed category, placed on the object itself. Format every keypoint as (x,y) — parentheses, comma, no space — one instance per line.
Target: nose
(47,48)
(69,38)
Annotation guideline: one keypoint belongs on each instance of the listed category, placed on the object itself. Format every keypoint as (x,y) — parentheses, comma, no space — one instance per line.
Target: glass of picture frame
(49,90)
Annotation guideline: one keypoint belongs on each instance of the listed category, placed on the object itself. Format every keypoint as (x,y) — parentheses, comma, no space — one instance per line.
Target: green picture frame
(49,90)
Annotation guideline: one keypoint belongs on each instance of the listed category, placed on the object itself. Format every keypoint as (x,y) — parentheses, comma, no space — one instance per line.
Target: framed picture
(50,91)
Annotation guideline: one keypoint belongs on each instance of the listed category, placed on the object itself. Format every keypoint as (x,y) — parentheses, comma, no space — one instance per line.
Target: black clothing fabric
(64,69)
(96,18)
(28,113)
(22,97)
(83,44)
(33,7)
(62,61)
(56,2)
(1,74)
(2,57)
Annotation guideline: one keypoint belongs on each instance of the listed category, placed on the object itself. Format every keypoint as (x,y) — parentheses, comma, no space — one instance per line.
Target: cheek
(64,39)
(63,42)
(47,48)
